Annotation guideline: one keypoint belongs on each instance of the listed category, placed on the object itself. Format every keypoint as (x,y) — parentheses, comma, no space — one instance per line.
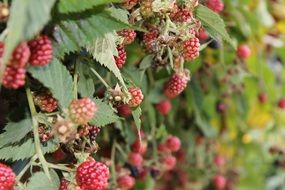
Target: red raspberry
(219,160)
(82,110)
(126,182)
(149,39)
(181,15)
(215,5)
(129,4)
(14,78)
(135,159)
(173,143)
(136,97)
(7,177)
(176,84)
(139,147)
(262,97)
(92,175)
(219,182)
(281,103)
(203,35)
(124,111)
(122,56)
(41,51)
(163,107)
(128,34)
(243,51)
(46,102)
(191,49)
(169,162)
(20,55)
(93,132)
(63,184)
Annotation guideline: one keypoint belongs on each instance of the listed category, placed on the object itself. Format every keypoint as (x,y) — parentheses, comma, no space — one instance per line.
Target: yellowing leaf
(258,117)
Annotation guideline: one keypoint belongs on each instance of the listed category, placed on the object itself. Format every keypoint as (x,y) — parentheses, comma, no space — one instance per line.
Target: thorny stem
(36,133)
(100,78)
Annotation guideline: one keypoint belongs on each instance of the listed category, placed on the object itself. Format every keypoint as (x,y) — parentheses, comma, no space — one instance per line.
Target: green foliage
(21,128)
(57,78)
(69,6)
(137,112)
(40,181)
(85,83)
(213,23)
(104,115)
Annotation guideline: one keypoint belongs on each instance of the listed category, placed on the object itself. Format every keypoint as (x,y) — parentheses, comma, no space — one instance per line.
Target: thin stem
(36,133)
(19,176)
(75,79)
(100,78)
(59,167)
(121,151)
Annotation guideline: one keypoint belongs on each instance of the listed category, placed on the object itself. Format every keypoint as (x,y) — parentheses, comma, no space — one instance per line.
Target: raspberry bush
(142,95)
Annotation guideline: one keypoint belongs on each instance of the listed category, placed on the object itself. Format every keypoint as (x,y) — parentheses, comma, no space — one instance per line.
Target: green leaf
(15,131)
(57,78)
(71,35)
(137,112)
(26,150)
(120,14)
(68,6)
(27,19)
(40,181)
(85,83)
(103,50)
(104,115)
(213,24)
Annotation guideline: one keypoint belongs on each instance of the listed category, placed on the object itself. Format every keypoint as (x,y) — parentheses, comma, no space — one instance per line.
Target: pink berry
(169,162)
(126,182)
(173,143)
(176,84)
(243,51)
(281,103)
(139,147)
(135,159)
(7,177)
(163,107)
(215,5)
(14,78)
(219,182)
(122,56)
(191,48)
(128,34)
(219,160)
(136,97)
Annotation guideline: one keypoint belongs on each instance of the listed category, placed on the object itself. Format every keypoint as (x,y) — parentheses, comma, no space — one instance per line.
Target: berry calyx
(82,111)
(215,5)
(14,78)
(173,143)
(122,56)
(163,107)
(126,182)
(92,175)
(135,159)
(124,111)
(191,49)
(176,84)
(41,51)
(169,162)
(7,177)
(219,182)
(46,102)
(281,103)
(20,55)
(243,51)
(63,184)
(128,34)
(136,97)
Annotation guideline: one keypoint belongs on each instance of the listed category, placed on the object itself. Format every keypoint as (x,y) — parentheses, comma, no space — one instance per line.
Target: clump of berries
(92,175)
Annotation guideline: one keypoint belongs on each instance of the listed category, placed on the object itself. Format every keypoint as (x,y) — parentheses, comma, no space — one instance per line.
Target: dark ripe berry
(126,182)
(128,34)
(181,15)
(63,184)
(176,84)
(82,111)
(135,159)
(136,97)
(281,103)
(59,155)
(191,49)
(163,107)
(133,169)
(20,55)
(214,44)
(219,182)
(149,39)
(46,102)
(129,4)
(92,175)
(124,111)
(262,97)
(122,56)
(7,177)
(41,51)
(215,5)
(154,172)
(173,143)
(93,132)
(243,51)
(14,78)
